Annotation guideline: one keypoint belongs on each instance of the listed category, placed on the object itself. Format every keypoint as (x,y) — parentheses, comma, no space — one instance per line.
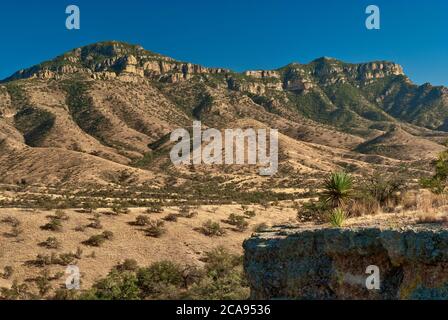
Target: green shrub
(221,278)
(99,239)
(230,287)
(250,213)
(154,208)
(220,262)
(210,228)
(108,235)
(116,286)
(338,189)
(157,276)
(224,278)
(66,259)
(16,292)
(383,186)
(438,182)
(119,209)
(337,217)
(55,224)
(127,265)
(95,224)
(186,212)
(50,243)
(172,217)
(238,221)
(156,228)
(43,282)
(313,211)
(141,221)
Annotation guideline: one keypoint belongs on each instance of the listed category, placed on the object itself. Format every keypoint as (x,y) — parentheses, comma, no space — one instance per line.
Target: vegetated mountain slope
(399,144)
(103,113)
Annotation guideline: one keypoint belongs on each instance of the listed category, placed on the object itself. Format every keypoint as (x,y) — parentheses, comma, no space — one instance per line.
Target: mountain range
(102,115)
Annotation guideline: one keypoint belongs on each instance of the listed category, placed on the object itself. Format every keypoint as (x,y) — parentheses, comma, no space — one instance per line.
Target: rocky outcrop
(331,263)
(262,74)
(100,60)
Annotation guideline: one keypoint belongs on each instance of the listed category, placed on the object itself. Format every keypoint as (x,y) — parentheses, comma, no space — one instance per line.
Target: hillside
(101,114)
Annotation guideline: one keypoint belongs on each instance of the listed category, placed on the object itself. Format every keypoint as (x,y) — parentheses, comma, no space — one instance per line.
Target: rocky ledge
(328,263)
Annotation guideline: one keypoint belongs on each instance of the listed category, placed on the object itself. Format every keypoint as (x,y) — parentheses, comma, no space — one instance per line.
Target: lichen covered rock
(289,263)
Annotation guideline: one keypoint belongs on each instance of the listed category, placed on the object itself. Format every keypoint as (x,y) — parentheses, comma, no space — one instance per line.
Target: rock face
(331,263)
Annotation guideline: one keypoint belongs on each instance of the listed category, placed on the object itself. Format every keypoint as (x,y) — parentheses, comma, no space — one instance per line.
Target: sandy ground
(181,243)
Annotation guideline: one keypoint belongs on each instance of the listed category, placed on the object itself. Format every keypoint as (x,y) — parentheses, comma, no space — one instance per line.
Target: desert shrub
(50,243)
(437,183)
(108,235)
(238,221)
(61,215)
(95,224)
(313,211)
(219,261)
(383,187)
(250,213)
(210,228)
(16,292)
(155,228)
(127,265)
(66,259)
(89,206)
(224,277)
(261,227)
(153,279)
(119,209)
(7,272)
(172,217)
(338,189)
(337,217)
(43,260)
(231,287)
(95,240)
(61,294)
(99,239)
(221,278)
(12,221)
(141,221)
(55,224)
(116,286)
(186,212)
(154,207)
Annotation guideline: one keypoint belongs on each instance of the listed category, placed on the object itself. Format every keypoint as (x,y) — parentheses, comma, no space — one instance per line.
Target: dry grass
(424,201)
(181,243)
(431,218)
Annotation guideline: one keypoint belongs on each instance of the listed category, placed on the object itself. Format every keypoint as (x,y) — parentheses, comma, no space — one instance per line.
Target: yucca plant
(338,189)
(337,217)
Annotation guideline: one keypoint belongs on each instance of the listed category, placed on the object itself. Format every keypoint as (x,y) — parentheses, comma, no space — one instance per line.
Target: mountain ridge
(382,84)
(115,104)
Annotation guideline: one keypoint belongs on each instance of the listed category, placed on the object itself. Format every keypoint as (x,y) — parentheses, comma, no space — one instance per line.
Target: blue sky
(240,35)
